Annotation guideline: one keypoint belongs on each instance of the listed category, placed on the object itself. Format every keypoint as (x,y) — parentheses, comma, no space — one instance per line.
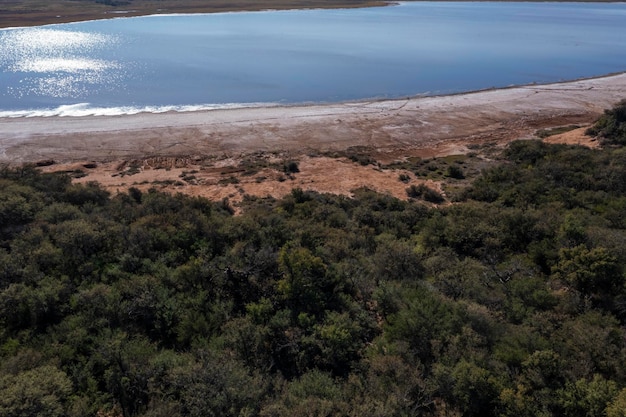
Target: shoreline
(131,14)
(385,125)
(166,109)
(21,16)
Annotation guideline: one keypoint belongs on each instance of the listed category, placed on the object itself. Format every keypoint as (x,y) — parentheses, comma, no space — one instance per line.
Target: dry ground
(337,148)
(228,178)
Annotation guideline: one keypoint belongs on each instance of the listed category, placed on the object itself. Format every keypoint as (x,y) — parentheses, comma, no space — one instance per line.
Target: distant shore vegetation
(509,302)
(38,12)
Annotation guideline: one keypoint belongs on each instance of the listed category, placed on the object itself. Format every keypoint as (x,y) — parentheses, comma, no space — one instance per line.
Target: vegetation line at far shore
(37,12)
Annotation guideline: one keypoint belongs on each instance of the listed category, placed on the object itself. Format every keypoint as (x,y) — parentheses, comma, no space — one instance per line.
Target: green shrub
(611,126)
(425,193)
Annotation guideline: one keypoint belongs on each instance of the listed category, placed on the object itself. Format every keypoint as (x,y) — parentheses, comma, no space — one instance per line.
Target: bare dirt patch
(231,179)
(574,137)
(338,148)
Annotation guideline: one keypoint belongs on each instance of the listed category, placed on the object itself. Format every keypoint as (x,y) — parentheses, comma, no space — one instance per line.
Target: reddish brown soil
(230,153)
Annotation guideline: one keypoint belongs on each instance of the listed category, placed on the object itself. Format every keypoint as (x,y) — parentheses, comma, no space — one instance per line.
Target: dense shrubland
(510,302)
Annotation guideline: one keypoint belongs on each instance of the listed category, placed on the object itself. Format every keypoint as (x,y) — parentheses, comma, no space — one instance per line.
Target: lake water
(186,62)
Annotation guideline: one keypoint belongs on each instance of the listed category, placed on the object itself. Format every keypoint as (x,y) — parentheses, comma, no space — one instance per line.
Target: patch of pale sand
(220,180)
(574,137)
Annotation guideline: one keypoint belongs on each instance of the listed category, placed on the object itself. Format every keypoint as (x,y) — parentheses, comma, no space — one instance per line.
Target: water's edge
(84,109)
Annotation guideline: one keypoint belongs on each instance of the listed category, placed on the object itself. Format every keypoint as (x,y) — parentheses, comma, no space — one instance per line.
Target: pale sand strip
(504,114)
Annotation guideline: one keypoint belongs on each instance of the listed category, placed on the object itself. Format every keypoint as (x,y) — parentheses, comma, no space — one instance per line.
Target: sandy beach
(387,129)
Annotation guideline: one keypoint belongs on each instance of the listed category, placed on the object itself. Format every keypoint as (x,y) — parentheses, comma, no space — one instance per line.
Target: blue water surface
(194,61)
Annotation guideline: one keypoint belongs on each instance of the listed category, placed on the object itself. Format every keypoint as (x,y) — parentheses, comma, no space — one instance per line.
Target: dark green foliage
(89,193)
(611,127)
(291,167)
(510,302)
(42,391)
(423,318)
(425,193)
(360,155)
(404,178)
(560,174)
(456,172)
(454,166)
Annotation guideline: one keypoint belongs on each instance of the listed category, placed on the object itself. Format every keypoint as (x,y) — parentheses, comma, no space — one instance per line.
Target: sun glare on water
(73,65)
(56,63)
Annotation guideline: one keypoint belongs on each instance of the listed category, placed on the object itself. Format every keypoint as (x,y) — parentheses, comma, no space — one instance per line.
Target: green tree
(590,271)
(396,259)
(391,387)
(314,394)
(617,407)
(533,395)
(475,390)
(306,285)
(587,398)
(425,322)
(611,126)
(213,385)
(341,339)
(41,392)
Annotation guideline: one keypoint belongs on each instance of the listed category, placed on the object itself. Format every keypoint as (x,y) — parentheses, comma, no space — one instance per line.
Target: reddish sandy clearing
(202,153)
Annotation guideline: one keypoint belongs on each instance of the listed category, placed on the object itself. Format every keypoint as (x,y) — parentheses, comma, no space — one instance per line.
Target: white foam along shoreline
(86,110)
(600,91)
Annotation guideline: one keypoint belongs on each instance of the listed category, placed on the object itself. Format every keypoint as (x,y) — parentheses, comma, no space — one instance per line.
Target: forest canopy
(509,302)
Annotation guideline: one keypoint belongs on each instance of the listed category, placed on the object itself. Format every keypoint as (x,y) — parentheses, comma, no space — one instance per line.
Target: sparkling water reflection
(56,63)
